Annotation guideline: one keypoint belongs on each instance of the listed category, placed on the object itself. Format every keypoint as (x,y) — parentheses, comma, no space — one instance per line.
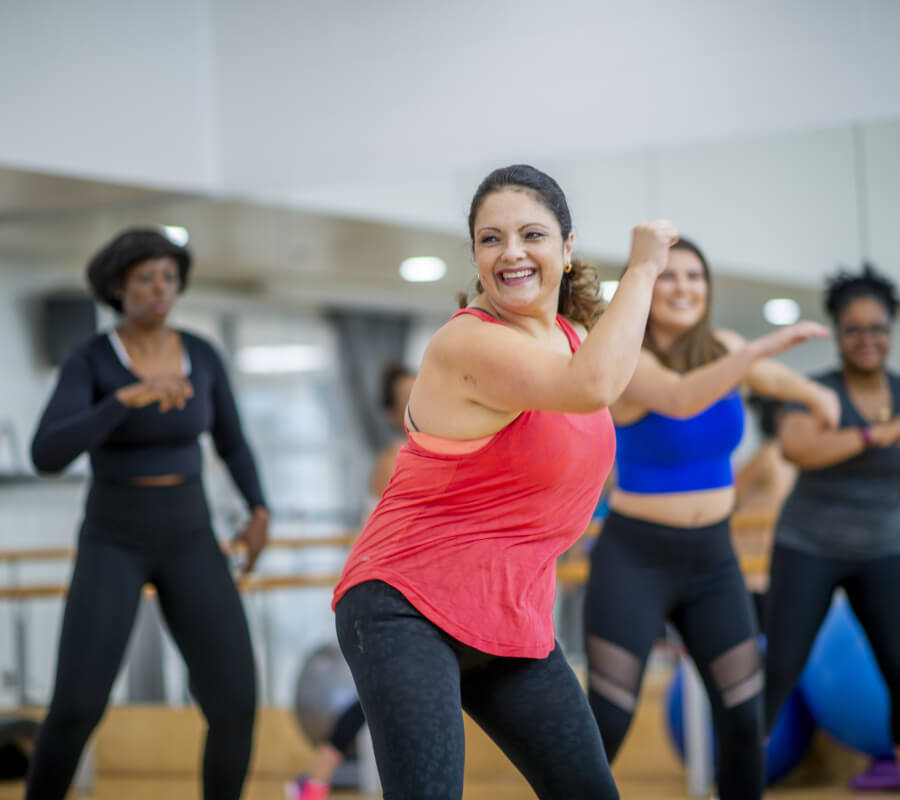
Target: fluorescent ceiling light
(423,269)
(781,311)
(608,289)
(280,359)
(176,234)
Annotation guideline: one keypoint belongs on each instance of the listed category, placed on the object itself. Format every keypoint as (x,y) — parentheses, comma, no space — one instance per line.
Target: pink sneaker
(880,775)
(305,789)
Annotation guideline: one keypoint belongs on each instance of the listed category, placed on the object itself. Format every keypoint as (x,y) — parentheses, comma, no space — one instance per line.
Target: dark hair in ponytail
(579,290)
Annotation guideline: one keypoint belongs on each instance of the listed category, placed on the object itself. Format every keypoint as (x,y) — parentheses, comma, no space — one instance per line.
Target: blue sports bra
(660,454)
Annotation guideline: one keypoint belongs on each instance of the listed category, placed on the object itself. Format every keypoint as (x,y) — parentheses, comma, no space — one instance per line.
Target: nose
(681,283)
(514,250)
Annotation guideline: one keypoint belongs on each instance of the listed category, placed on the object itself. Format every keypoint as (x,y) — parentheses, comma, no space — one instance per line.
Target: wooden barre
(571,572)
(37,554)
(252,583)
(280,543)
(741,520)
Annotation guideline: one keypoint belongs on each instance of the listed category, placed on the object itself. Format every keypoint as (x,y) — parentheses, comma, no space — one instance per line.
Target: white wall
(317,91)
(105,89)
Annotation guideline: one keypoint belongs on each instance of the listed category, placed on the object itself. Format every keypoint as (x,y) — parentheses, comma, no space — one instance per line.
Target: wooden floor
(147,753)
(150,788)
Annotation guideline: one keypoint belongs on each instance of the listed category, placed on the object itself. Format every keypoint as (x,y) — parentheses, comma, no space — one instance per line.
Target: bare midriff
(157,480)
(678,509)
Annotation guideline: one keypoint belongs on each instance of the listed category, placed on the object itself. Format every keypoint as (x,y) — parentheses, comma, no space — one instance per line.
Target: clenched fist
(650,243)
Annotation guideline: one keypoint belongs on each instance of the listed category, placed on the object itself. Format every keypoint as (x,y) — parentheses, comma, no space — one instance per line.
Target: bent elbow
(799,457)
(597,395)
(46,459)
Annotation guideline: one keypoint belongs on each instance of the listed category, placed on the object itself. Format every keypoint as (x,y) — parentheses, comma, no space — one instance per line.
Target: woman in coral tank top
(445,602)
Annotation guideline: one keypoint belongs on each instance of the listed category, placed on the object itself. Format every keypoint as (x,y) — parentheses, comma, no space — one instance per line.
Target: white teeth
(519,273)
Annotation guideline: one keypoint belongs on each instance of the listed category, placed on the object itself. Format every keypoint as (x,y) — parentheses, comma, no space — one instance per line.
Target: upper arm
(499,368)
(73,393)
(226,426)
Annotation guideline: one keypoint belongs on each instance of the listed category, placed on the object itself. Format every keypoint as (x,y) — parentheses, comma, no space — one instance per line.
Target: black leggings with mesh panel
(643,573)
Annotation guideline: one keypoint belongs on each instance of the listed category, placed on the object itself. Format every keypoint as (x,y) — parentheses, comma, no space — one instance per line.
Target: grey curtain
(367,341)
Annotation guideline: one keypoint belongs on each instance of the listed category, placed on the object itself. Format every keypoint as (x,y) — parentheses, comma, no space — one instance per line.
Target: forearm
(701,387)
(609,355)
(824,448)
(773,379)
(242,467)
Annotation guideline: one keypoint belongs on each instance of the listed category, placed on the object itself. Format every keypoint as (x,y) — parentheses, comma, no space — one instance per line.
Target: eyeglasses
(858,331)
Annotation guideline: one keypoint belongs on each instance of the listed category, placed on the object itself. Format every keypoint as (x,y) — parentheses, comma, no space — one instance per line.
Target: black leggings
(160,535)
(348,725)
(641,573)
(800,590)
(414,680)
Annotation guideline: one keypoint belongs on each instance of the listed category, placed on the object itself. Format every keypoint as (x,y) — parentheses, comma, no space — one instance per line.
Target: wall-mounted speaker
(68,319)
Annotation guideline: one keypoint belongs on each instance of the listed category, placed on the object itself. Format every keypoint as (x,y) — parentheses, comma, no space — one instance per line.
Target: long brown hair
(696,346)
(579,290)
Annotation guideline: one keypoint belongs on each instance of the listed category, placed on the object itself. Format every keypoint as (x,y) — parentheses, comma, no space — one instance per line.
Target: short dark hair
(392,372)
(107,268)
(844,287)
(579,298)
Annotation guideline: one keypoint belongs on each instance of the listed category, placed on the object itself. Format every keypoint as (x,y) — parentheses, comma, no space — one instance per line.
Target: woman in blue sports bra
(665,550)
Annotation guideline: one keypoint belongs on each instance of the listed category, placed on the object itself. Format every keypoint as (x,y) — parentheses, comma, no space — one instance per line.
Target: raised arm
(805,444)
(501,369)
(660,389)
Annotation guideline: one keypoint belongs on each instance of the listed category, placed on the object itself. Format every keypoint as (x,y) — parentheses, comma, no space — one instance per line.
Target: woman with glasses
(840,526)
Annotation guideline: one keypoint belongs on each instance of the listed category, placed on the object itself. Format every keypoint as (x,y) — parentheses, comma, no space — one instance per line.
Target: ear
(568,247)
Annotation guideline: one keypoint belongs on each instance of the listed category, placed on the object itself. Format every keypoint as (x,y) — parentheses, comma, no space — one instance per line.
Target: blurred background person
(136,399)
(840,526)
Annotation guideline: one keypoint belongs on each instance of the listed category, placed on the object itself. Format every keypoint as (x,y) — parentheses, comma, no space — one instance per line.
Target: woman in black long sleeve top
(136,400)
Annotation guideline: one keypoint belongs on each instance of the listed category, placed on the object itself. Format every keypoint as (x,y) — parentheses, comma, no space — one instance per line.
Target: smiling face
(149,290)
(680,294)
(864,334)
(519,251)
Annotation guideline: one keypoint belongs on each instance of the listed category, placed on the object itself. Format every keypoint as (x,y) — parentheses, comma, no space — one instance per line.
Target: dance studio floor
(645,770)
(150,788)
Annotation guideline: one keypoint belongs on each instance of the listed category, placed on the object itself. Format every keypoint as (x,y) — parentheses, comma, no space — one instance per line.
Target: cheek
(661,292)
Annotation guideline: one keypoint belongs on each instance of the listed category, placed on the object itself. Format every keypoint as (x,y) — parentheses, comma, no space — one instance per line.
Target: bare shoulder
(732,340)
(462,336)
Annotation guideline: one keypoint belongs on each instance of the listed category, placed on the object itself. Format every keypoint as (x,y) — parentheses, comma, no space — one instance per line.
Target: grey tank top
(850,509)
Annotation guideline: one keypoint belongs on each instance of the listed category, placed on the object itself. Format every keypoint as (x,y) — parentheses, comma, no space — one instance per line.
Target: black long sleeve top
(84,415)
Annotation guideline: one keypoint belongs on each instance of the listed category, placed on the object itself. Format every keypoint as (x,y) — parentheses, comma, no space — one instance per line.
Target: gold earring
(568,268)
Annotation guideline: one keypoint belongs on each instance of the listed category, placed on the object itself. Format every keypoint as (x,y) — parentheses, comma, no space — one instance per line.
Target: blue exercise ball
(790,739)
(843,686)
